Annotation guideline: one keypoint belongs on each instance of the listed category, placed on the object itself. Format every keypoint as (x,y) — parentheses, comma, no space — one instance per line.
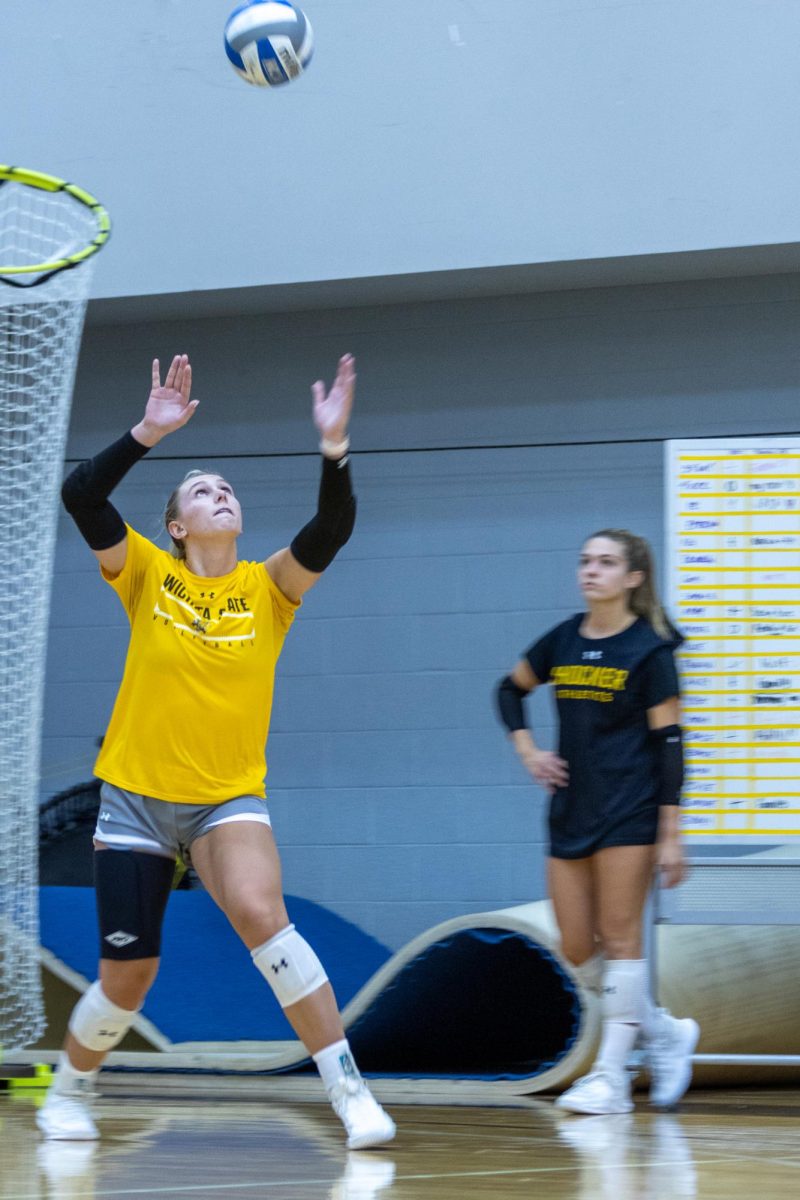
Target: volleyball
(268,42)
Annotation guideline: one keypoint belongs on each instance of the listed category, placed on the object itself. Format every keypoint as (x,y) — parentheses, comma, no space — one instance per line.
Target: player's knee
(290,966)
(578,951)
(622,942)
(127,983)
(259,918)
(97,1022)
(589,973)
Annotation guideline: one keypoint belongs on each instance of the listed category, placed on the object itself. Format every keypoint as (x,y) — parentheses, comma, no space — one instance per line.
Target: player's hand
(671,862)
(547,769)
(169,406)
(332,411)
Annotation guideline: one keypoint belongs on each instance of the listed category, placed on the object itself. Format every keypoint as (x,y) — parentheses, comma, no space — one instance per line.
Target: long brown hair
(644,599)
(172,512)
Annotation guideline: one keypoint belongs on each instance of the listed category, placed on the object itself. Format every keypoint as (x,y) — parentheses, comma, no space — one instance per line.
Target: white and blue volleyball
(269,42)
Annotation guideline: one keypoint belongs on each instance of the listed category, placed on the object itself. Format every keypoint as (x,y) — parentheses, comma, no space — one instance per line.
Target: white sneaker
(365,1122)
(66,1116)
(669,1058)
(603,1090)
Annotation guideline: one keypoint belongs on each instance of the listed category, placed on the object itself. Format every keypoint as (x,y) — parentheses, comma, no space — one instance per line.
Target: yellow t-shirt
(191,717)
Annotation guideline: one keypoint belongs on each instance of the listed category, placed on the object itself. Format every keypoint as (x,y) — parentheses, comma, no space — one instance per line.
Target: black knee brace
(132,890)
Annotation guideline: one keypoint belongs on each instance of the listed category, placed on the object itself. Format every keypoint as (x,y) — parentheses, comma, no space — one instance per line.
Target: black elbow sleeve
(669,763)
(318,542)
(100,525)
(85,492)
(509,698)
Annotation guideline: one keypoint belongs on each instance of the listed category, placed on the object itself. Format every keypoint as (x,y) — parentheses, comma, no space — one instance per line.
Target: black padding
(669,757)
(509,697)
(318,542)
(86,490)
(131,890)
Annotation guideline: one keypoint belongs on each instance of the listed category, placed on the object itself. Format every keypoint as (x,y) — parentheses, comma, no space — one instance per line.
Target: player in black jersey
(615,792)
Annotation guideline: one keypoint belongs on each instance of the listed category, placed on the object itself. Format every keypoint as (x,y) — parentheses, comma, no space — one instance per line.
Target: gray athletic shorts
(127,821)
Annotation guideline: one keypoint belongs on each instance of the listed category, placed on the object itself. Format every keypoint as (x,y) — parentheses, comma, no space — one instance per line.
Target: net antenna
(50,232)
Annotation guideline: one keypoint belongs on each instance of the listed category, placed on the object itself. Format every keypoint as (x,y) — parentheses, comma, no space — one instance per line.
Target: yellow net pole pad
(12,1077)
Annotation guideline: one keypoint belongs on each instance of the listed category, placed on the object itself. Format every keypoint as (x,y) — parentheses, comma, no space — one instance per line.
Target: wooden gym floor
(283,1145)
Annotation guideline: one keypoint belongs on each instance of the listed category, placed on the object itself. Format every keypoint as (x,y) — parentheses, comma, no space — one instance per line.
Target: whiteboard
(733,580)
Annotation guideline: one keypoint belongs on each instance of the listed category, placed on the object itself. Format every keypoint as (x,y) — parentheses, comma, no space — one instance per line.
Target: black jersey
(603,689)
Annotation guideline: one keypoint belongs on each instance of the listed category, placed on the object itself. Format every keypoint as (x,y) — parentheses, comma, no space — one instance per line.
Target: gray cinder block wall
(491,436)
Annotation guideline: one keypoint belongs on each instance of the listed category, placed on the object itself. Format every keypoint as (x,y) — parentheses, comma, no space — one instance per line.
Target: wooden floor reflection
(721,1145)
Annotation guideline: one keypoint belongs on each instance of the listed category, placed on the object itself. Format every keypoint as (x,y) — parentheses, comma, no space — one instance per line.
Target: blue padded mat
(207,988)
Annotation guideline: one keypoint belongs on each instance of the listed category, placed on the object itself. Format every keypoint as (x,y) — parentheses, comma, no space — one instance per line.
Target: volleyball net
(50,232)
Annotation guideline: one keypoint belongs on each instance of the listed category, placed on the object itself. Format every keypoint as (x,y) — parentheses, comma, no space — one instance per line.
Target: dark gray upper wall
(677,360)
(428,136)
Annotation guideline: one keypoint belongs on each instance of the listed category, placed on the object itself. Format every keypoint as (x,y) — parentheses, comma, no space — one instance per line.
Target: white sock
(624,988)
(335,1062)
(616,1044)
(69,1080)
(651,1017)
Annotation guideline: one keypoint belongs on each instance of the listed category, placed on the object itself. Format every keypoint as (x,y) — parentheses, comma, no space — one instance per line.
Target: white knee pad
(97,1023)
(290,966)
(624,988)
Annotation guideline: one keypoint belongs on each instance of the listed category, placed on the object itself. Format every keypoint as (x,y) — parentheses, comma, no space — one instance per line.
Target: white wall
(428,135)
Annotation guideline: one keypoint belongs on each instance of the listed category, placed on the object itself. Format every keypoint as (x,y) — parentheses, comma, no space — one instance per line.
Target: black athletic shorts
(570,839)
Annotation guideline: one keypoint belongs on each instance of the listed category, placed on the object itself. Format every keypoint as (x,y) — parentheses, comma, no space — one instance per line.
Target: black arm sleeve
(86,490)
(508,698)
(669,757)
(318,542)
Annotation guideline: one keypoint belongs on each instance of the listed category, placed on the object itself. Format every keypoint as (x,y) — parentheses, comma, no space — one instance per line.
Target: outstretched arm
(86,490)
(296,568)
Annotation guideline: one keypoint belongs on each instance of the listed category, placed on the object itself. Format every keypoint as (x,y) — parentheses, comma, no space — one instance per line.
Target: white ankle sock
(68,1079)
(334,1062)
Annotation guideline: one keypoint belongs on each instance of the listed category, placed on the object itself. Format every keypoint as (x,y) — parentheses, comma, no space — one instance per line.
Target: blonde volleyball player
(615,789)
(183,763)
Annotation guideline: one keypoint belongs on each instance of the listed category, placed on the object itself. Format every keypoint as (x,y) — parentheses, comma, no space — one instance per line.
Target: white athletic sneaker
(603,1090)
(365,1122)
(669,1058)
(67,1116)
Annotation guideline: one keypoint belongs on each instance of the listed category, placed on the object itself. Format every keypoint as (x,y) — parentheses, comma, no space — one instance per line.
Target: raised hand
(168,406)
(332,411)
